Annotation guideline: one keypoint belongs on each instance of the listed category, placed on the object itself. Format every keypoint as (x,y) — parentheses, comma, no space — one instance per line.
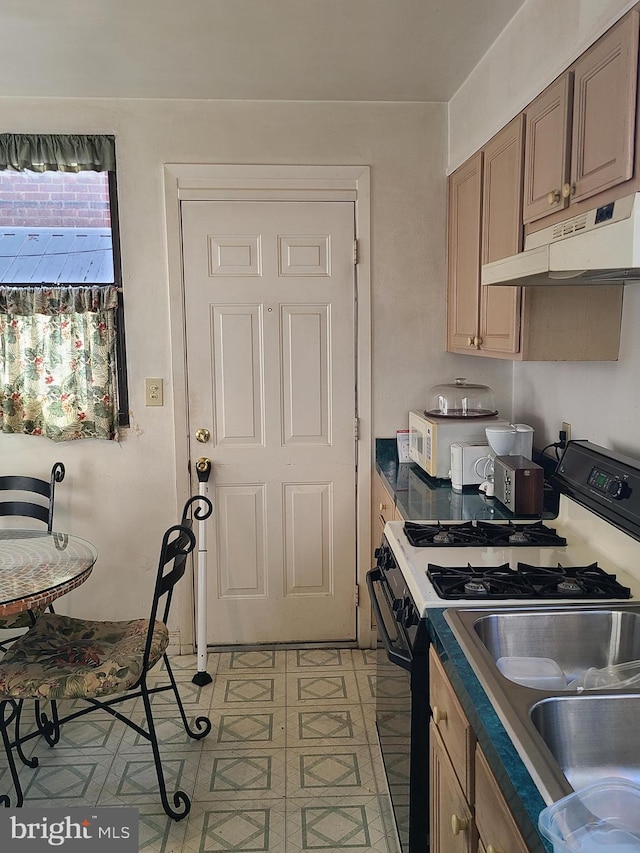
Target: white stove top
(589,539)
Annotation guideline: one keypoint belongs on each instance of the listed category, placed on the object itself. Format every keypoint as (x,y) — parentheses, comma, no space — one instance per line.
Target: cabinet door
(605,80)
(502,234)
(495,825)
(548,149)
(464,214)
(451,723)
(452,829)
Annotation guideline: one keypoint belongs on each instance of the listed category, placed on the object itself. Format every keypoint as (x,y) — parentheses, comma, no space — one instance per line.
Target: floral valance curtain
(58,362)
(42,152)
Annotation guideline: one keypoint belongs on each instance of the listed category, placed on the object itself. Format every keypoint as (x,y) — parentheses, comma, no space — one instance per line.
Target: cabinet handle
(567,191)
(383,507)
(470,340)
(553,196)
(459,824)
(492,849)
(439,715)
(477,342)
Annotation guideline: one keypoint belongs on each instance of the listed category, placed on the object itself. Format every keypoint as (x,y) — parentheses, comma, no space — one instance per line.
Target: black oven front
(402,699)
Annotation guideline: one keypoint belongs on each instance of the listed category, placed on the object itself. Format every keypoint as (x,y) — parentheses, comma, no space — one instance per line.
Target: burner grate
(489,582)
(573,582)
(470,533)
(442,535)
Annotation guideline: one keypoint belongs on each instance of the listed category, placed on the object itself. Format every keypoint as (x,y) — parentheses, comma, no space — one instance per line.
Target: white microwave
(430,439)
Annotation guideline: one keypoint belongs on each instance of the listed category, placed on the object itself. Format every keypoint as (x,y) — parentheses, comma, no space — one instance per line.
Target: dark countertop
(517,786)
(419,496)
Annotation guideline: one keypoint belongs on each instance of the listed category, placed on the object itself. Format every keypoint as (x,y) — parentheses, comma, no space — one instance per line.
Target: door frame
(207,182)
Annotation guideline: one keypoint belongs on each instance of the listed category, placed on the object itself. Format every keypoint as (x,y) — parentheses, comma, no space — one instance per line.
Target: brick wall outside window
(54,199)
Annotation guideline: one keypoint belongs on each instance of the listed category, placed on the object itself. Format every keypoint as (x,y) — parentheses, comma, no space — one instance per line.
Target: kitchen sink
(591,736)
(575,639)
(565,737)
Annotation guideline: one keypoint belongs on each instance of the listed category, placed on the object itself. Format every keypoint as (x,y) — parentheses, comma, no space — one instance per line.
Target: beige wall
(600,400)
(121,496)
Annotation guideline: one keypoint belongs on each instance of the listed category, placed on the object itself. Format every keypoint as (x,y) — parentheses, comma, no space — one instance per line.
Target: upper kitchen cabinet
(580,132)
(485,203)
(464,221)
(501,236)
(548,147)
(559,323)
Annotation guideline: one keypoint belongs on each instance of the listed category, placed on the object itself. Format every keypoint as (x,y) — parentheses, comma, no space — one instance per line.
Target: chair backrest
(31,486)
(177,543)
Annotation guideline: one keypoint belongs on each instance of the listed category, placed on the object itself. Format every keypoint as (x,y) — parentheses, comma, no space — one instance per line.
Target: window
(62,348)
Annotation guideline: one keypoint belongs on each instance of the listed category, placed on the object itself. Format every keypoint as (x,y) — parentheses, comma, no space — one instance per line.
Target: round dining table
(36,567)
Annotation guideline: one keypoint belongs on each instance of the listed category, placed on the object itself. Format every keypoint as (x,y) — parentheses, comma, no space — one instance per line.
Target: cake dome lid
(461,399)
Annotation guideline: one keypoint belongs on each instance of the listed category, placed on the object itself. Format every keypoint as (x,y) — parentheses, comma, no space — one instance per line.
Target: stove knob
(410,617)
(398,605)
(378,553)
(618,489)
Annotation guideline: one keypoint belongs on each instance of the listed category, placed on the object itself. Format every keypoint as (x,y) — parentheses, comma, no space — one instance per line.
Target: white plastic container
(541,673)
(601,818)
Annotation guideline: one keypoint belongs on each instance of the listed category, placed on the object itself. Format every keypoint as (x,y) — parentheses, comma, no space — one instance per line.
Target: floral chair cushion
(65,658)
(20,620)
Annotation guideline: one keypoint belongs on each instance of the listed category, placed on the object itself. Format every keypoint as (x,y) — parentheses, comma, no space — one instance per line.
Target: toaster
(519,484)
(464,456)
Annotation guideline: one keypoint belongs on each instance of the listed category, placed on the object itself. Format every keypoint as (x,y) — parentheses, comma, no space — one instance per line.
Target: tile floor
(291,763)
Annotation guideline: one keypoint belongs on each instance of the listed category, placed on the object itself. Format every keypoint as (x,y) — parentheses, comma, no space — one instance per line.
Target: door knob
(459,824)
(439,715)
(203,464)
(203,435)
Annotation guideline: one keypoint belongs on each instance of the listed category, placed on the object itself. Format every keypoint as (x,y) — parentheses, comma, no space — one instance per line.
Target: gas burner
(475,587)
(573,581)
(514,535)
(479,582)
(443,535)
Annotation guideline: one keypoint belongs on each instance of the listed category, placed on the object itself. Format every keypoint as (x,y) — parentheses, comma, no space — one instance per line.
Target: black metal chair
(61,658)
(31,486)
(30,498)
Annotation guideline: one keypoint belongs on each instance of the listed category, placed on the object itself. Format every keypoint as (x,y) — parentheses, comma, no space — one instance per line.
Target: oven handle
(393,654)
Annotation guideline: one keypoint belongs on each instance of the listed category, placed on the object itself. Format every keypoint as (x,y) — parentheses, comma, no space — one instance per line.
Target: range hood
(597,247)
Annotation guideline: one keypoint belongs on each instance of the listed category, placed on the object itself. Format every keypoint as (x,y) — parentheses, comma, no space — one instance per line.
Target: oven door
(394,660)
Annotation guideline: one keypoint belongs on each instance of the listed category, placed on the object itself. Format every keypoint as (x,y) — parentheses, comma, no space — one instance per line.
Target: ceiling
(353,50)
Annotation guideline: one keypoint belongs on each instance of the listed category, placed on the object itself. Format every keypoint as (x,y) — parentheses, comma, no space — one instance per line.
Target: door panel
(270,316)
(237,375)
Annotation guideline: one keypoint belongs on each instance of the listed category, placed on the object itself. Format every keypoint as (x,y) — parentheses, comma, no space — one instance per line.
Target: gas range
(588,554)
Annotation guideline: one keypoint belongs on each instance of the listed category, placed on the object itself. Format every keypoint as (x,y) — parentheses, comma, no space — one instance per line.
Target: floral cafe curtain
(58,362)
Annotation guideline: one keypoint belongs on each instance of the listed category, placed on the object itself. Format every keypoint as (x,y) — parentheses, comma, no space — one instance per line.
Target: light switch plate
(153,395)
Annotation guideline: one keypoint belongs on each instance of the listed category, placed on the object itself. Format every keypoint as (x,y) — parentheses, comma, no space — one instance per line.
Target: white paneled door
(270,305)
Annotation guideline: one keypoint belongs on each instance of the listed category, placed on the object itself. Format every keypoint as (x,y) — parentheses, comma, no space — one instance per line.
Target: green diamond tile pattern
(260,659)
(315,658)
(234,774)
(322,687)
(334,826)
(256,688)
(245,728)
(245,826)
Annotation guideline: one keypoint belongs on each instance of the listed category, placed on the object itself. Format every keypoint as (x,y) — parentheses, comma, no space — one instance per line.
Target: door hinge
(355,252)
(356,428)
(357,595)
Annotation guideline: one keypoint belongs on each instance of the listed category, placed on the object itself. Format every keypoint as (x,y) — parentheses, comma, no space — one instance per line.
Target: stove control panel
(604,481)
(617,487)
